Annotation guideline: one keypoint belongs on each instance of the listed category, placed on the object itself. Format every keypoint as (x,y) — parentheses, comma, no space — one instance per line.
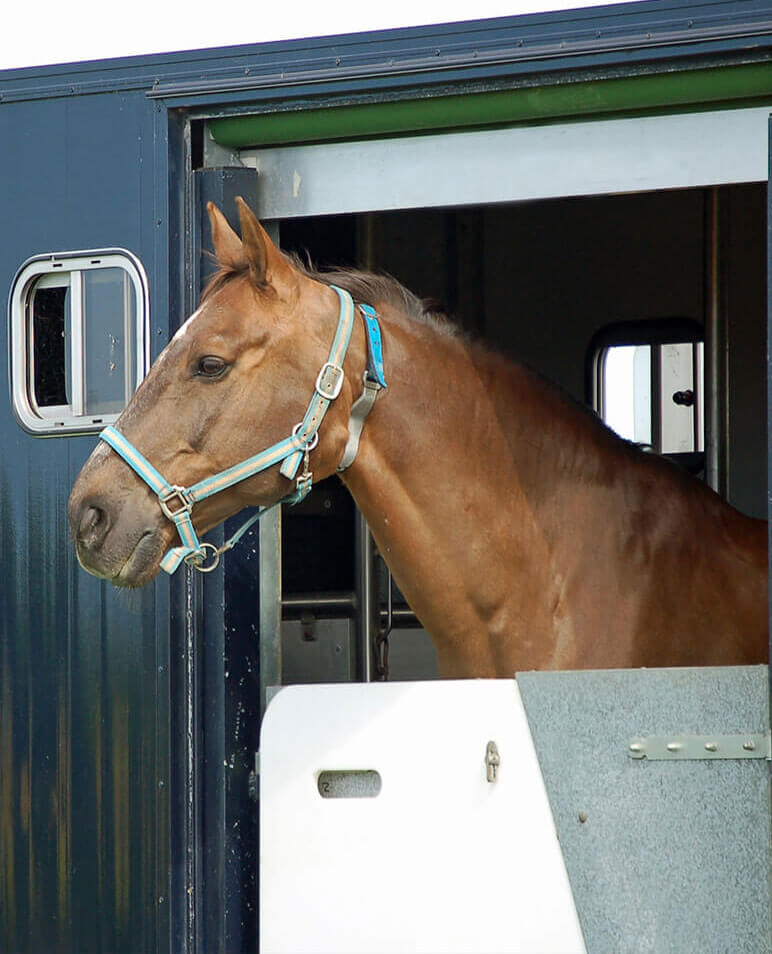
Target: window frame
(71,418)
(646,331)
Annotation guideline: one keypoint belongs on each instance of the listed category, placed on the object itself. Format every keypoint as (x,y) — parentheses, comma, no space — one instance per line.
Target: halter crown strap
(177,502)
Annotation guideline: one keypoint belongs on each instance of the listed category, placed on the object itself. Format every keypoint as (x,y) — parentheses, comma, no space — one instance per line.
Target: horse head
(235,378)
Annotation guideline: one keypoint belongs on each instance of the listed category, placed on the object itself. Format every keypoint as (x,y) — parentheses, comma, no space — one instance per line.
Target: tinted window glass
(109,314)
(50,327)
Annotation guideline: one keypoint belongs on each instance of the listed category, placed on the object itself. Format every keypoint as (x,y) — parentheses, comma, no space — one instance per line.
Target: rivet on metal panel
(492,761)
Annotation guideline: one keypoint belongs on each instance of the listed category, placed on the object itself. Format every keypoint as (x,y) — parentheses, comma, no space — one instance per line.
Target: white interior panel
(440,859)
(506,165)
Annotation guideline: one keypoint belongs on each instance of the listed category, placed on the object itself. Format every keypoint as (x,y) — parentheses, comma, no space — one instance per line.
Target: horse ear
(254,241)
(227,245)
(267,265)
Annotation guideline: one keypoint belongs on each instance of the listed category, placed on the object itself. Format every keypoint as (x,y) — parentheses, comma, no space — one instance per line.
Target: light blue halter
(177,502)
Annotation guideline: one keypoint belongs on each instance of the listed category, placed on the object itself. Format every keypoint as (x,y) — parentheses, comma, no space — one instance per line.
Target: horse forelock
(221,277)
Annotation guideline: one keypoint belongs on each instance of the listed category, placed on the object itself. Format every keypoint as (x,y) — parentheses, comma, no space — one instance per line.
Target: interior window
(50,327)
(647,385)
(79,341)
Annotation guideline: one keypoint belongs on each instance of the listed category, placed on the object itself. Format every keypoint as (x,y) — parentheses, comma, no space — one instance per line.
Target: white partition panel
(440,859)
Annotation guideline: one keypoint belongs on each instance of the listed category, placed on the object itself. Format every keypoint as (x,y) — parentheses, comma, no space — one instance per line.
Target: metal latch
(492,761)
(749,745)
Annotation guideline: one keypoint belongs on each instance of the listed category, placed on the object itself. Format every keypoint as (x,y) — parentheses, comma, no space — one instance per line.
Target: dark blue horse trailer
(578,188)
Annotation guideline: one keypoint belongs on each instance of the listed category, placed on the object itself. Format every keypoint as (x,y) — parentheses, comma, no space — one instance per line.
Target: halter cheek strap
(177,502)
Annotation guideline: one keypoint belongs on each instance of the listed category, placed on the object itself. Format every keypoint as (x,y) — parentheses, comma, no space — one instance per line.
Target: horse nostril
(93,526)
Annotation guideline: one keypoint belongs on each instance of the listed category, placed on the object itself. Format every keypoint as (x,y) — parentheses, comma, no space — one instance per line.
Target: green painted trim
(694,89)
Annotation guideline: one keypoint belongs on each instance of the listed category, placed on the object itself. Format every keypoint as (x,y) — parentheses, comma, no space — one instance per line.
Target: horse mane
(368,288)
(371,289)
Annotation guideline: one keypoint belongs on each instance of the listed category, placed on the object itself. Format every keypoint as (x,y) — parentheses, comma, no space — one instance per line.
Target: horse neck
(526,536)
(449,477)
(457,420)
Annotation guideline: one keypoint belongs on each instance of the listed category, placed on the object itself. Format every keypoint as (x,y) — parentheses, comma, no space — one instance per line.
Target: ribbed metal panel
(83,667)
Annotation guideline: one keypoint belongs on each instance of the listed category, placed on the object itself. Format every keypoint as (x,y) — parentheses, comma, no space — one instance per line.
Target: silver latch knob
(492,761)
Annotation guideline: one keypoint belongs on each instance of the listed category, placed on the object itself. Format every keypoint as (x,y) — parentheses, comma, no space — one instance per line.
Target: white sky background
(49,31)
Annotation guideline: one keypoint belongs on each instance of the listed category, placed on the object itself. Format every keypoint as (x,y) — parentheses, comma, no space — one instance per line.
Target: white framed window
(651,394)
(79,339)
(647,381)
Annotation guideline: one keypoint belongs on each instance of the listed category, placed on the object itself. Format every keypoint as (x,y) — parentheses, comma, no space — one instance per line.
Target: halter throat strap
(177,502)
(373,383)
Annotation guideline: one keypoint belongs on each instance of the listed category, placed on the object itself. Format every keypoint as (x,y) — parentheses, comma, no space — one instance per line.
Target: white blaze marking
(181,332)
(184,328)
(100,451)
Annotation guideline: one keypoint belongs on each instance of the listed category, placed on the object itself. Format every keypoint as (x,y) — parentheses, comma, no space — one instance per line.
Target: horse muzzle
(111,545)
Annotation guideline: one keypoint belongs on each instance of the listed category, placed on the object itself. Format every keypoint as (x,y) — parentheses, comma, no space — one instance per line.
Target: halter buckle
(180,495)
(329,390)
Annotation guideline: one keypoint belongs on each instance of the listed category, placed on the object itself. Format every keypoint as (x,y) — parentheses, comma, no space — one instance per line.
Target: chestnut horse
(523,533)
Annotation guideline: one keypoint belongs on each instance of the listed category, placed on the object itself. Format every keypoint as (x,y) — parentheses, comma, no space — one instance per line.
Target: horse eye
(210,366)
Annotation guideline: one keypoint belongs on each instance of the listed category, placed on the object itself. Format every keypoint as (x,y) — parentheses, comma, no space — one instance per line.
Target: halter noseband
(177,502)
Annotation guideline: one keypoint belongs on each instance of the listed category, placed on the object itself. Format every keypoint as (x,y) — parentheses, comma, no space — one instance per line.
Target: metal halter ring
(191,561)
(309,445)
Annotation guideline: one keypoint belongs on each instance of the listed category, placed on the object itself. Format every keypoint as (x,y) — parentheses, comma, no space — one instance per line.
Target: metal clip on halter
(304,481)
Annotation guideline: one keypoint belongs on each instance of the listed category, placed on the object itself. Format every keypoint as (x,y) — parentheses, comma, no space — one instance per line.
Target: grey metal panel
(536,162)
(662,856)
(327,657)
(412,655)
